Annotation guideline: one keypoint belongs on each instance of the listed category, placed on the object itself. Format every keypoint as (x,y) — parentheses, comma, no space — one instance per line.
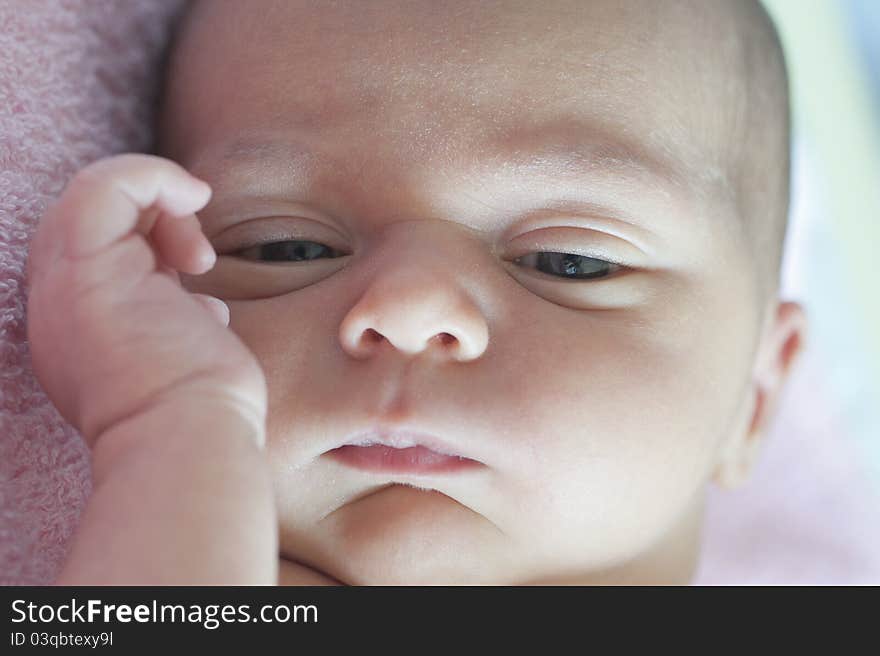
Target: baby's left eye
(569,265)
(289,251)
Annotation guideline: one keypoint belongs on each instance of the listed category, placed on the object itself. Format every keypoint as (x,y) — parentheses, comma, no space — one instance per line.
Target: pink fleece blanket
(78,79)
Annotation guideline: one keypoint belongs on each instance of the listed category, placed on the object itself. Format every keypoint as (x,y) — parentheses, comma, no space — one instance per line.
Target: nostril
(445,338)
(373,336)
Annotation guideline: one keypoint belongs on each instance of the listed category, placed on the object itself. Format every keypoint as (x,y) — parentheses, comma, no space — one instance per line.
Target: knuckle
(128,167)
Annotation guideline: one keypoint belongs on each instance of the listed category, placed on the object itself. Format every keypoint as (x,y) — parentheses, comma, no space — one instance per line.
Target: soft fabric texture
(78,81)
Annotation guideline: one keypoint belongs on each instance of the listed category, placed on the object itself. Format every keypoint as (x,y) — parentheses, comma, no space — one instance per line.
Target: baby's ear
(782,342)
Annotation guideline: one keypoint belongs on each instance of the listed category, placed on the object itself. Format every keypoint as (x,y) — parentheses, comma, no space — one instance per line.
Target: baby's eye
(565,265)
(569,265)
(288,251)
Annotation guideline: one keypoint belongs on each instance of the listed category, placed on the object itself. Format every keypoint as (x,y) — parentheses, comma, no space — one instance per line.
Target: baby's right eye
(297,250)
(569,266)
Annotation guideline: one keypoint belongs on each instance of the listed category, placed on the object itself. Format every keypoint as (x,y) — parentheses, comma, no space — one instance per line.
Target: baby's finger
(217,307)
(182,245)
(148,219)
(161,266)
(105,200)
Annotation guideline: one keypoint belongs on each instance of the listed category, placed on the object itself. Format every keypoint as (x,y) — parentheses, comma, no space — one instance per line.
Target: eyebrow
(588,146)
(573,146)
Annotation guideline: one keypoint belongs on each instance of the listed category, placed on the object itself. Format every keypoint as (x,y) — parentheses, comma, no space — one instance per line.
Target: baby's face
(417,167)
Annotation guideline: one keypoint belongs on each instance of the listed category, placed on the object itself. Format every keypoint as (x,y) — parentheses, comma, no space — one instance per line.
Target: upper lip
(401,438)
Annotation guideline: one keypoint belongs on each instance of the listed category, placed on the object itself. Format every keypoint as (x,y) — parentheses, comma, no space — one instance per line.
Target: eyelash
(569,261)
(566,262)
(288,241)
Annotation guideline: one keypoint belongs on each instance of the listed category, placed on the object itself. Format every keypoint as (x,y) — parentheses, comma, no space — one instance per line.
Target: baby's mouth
(400,453)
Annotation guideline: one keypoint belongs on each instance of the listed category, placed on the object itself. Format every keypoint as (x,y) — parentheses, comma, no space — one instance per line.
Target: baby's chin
(293,573)
(403,535)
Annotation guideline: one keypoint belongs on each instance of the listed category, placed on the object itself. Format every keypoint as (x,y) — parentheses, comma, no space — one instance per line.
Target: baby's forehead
(612,83)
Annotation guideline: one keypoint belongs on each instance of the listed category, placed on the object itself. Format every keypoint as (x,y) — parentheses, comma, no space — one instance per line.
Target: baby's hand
(171,401)
(112,332)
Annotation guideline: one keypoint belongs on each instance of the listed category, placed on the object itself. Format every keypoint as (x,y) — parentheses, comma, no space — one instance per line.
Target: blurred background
(811,512)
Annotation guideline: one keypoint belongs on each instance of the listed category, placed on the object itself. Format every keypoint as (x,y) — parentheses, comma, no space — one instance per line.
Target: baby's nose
(418,296)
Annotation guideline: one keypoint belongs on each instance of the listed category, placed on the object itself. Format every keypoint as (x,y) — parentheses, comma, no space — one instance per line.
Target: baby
(501,282)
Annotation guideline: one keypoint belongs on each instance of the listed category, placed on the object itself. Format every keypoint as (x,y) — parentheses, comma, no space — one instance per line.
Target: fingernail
(222,310)
(202,185)
(201,190)
(207,258)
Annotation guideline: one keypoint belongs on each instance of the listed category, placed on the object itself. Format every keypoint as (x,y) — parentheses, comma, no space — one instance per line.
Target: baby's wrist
(185,427)
(181,493)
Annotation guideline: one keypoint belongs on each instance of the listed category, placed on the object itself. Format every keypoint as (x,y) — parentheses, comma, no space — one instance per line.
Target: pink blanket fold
(78,81)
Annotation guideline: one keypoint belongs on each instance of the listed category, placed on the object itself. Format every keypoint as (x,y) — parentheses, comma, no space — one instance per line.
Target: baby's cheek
(630,425)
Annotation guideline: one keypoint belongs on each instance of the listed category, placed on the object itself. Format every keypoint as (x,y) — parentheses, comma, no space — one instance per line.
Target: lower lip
(411,460)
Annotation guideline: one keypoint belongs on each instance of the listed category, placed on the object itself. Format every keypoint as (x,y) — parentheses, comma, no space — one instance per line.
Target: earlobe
(781,344)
